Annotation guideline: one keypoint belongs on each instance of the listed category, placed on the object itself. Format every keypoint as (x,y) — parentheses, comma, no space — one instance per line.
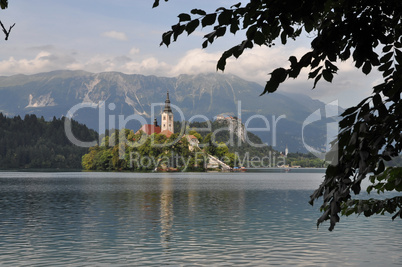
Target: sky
(124,36)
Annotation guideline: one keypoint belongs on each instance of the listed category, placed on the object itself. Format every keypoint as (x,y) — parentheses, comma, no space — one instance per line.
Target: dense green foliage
(35,143)
(305,160)
(358,30)
(139,152)
(124,150)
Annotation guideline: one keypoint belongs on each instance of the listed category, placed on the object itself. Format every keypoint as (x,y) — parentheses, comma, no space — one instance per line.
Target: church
(167,126)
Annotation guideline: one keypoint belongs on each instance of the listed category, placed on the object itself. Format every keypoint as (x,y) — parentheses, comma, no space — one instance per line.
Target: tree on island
(367,32)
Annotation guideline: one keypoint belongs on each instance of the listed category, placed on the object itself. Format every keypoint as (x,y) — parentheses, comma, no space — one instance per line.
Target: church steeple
(167,104)
(167,116)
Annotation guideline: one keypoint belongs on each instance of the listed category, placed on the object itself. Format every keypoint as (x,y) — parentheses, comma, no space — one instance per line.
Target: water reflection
(180,219)
(166,200)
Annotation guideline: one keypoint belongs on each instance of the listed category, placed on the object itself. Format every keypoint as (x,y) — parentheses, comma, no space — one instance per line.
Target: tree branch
(7,33)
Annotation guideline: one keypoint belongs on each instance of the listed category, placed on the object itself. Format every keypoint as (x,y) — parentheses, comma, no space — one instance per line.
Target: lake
(181,219)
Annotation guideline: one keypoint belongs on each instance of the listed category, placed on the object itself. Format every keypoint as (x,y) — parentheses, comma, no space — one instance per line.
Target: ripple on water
(185,219)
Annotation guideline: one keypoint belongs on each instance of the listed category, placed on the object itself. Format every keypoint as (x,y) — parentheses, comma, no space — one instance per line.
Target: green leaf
(316,80)
(314,73)
(198,12)
(366,67)
(308,26)
(251,32)
(205,44)
(398,56)
(220,31)
(385,58)
(293,60)
(166,38)
(222,61)
(330,66)
(380,169)
(259,38)
(184,17)
(156,3)
(306,59)
(177,30)
(385,67)
(387,48)
(270,87)
(328,76)
(279,75)
(349,111)
(208,19)
(283,37)
(225,17)
(388,72)
(192,25)
(234,26)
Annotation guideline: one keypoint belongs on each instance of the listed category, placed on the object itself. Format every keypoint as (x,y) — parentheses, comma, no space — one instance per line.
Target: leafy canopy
(369,33)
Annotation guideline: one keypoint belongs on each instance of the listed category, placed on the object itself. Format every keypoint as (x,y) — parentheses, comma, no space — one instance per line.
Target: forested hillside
(35,143)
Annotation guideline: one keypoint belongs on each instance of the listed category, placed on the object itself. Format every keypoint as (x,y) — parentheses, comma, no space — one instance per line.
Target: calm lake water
(181,219)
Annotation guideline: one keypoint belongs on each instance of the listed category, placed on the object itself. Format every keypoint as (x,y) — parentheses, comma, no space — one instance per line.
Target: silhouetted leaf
(225,17)
(259,38)
(198,12)
(184,17)
(192,25)
(366,68)
(208,20)
(328,76)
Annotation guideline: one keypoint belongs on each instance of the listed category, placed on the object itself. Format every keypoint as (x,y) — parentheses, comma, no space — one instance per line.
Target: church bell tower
(167,116)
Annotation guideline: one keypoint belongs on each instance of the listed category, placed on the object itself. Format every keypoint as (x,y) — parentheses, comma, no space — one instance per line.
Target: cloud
(134,51)
(121,36)
(254,65)
(43,61)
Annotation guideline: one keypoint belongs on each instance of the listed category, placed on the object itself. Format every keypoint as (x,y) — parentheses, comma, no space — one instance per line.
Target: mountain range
(197,97)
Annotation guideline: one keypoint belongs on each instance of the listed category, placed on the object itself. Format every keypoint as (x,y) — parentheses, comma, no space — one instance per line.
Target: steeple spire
(167,116)
(167,104)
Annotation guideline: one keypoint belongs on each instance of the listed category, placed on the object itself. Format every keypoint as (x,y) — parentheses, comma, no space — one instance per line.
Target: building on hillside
(193,141)
(150,128)
(167,122)
(167,116)
(166,133)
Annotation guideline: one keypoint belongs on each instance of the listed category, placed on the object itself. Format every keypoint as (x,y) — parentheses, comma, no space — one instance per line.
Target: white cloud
(121,36)
(43,61)
(134,51)
(349,86)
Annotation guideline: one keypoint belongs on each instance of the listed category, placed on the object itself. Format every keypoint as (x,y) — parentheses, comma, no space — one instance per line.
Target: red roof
(150,129)
(190,136)
(167,133)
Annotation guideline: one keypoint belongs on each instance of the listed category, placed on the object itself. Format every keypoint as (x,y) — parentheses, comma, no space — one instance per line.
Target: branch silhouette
(7,33)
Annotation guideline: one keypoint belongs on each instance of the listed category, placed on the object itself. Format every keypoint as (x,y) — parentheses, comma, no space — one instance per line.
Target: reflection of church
(167,127)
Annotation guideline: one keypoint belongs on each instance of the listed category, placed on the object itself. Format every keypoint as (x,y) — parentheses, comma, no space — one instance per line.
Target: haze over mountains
(204,96)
